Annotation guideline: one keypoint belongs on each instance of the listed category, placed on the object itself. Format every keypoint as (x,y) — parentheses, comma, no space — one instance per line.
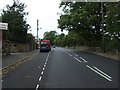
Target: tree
(50,36)
(0,18)
(84,21)
(59,40)
(83,18)
(113,19)
(15,17)
(112,31)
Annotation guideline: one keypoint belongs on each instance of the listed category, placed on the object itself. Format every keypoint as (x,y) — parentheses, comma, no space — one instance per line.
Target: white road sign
(3,26)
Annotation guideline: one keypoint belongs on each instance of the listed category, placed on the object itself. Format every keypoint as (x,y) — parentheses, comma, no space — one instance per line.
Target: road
(64,68)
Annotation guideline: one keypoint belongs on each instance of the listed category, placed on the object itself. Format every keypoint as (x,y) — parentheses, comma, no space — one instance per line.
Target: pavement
(15,57)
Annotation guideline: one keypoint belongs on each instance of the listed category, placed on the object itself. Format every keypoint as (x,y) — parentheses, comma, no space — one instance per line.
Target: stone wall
(8,47)
(16,47)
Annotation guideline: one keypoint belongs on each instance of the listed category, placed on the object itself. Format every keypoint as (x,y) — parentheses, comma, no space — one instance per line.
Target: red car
(45,45)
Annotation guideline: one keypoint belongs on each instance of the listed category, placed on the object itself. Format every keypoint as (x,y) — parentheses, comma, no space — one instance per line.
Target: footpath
(16,57)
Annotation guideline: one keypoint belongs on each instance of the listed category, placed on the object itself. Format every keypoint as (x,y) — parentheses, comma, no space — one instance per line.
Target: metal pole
(37,28)
(103,27)
(37,33)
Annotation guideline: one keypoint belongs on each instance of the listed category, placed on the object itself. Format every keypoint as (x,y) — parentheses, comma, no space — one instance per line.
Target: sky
(43,10)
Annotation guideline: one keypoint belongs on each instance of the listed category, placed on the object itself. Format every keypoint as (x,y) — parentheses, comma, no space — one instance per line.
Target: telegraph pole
(37,28)
(37,32)
(103,39)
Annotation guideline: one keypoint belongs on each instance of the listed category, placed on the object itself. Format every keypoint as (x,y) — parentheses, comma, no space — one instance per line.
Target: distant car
(54,46)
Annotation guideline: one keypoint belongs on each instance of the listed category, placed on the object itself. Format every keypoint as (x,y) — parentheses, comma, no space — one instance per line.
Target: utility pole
(37,28)
(103,39)
(37,33)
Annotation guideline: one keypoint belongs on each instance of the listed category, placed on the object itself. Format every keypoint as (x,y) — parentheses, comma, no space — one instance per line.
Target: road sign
(3,26)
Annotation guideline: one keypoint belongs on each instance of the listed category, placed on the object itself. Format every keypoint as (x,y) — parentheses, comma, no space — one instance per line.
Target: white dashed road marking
(44,65)
(95,69)
(37,86)
(76,55)
(42,71)
(77,59)
(40,78)
(70,54)
(83,59)
(43,68)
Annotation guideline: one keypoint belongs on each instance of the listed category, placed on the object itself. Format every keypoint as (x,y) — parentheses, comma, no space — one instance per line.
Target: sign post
(3,26)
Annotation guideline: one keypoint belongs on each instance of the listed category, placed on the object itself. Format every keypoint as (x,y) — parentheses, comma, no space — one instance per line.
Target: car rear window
(43,44)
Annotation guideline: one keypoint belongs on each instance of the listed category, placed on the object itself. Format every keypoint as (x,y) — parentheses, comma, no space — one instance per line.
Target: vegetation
(84,23)
(0,18)
(50,36)
(15,17)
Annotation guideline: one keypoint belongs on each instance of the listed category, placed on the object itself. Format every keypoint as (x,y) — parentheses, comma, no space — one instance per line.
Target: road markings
(102,72)
(66,51)
(76,55)
(44,65)
(77,59)
(40,78)
(70,54)
(43,68)
(37,86)
(42,73)
(98,73)
(83,59)
(47,57)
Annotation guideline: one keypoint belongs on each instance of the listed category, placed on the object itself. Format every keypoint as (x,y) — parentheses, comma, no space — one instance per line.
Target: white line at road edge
(102,72)
(99,73)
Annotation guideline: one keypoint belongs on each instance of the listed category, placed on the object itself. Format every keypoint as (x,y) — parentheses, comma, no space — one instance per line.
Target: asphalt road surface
(64,68)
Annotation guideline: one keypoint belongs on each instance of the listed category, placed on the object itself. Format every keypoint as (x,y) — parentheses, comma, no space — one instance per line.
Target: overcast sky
(43,10)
